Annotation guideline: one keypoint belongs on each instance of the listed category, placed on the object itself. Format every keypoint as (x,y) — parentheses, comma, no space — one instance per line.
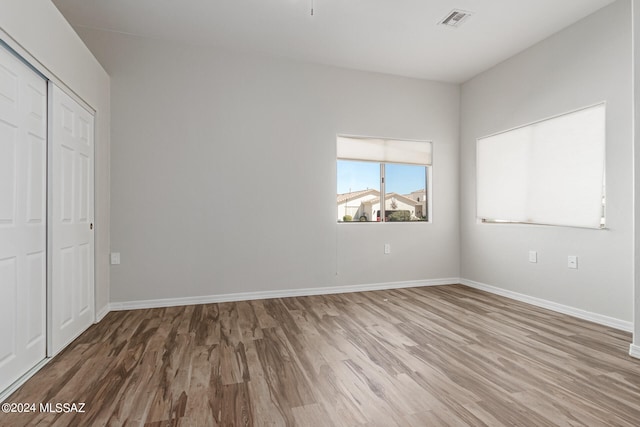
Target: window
(382,180)
(549,172)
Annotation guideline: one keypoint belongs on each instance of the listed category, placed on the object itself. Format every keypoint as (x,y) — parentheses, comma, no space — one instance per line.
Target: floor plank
(436,356)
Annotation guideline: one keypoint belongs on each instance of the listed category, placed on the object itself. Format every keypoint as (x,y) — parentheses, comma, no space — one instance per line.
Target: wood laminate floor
(434,356)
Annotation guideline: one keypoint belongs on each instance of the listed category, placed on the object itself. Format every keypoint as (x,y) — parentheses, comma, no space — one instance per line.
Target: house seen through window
(381,180)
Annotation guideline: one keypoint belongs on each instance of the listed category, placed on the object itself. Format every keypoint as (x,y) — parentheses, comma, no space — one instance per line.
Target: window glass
(358,190)
(405,198)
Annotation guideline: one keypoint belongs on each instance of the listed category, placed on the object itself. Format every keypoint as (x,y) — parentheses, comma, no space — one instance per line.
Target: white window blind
(384,150)
(550,172)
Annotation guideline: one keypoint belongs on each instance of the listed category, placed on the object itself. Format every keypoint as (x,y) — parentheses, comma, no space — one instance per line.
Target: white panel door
(71,218)
(23,155)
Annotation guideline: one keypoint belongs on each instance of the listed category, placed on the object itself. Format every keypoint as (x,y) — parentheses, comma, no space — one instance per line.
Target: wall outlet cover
(115,258)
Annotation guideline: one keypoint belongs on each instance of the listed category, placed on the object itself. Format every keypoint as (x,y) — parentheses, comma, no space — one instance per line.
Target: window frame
(382,182)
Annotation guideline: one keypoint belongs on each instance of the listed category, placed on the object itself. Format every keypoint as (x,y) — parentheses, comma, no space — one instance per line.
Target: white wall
(584,64)
(38,31)
(216,154)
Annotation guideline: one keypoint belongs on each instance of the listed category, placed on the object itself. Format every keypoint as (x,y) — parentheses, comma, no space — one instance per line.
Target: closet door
(23,154)
(71,219)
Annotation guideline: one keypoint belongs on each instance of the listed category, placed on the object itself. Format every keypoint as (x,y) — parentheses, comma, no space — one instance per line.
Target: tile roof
(355,194)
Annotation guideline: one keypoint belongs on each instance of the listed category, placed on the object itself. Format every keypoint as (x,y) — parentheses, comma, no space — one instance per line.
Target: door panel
(37,272)
(8,140)
(72,249)
(83,188)
(36,209)
(64,307)
(8,313)
(84,259)
(65,179)
(23,131)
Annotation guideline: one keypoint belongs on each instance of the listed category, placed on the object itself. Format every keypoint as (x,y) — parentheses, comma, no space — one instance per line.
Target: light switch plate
(572,262)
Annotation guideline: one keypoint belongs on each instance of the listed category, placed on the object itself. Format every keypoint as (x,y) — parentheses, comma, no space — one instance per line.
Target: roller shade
(549,172)
(384,150)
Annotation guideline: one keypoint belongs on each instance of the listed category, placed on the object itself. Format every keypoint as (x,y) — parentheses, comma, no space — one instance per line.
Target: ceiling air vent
(455,18)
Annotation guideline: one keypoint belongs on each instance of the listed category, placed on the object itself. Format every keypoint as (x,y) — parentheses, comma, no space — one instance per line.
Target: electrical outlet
(572,262)
(115,258)
(387,248)
(533,256)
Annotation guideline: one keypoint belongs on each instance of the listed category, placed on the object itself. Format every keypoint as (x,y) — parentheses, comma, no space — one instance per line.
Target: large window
(549,172)
(382,180)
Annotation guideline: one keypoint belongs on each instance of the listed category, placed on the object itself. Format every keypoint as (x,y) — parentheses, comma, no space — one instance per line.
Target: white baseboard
(284,293)
(246,296)
(565,309)
(4,394)
(102,312)
(634,351)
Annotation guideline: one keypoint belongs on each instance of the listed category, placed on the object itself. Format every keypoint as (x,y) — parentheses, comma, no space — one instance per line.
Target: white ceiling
(388,36)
